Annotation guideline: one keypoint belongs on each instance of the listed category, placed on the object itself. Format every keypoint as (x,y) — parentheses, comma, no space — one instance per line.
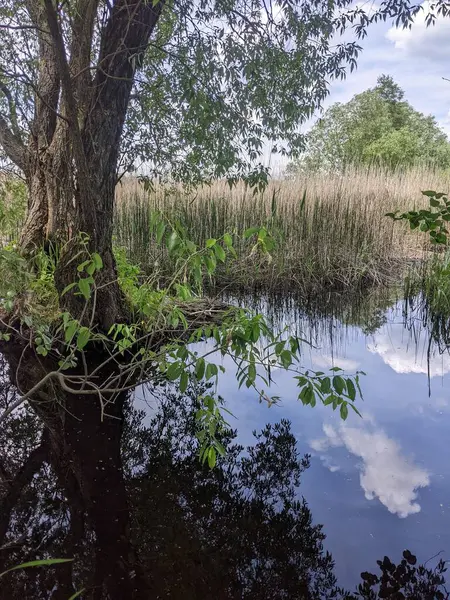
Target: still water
(380,483)
(143,519)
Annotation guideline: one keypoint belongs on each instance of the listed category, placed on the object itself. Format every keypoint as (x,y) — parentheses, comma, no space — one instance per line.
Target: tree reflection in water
(235,532)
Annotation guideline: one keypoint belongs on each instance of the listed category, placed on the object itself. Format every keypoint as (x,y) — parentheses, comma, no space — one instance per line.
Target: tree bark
(70,164)
(72,158)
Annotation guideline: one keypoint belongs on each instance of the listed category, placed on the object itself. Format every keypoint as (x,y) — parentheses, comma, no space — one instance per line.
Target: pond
(380,483)
(377,484)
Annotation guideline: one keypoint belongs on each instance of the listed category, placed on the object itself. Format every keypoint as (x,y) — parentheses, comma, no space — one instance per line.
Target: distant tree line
(377,127)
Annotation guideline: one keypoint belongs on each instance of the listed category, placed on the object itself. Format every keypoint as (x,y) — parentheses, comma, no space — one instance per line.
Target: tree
(375,127)
(77,78)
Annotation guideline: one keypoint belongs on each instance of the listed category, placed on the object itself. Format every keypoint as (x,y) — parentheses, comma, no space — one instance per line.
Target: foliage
(432,220)
(405,580)
(217,79)
(223,69)
(166,323)
(377,126)
(13,202)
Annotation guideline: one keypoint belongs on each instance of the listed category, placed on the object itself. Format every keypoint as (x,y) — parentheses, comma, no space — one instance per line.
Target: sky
(417,59)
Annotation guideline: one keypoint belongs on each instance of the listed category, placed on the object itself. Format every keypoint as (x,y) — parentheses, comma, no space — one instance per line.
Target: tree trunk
(70,165)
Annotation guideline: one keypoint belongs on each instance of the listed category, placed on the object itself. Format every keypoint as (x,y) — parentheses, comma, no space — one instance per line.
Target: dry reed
(330,228)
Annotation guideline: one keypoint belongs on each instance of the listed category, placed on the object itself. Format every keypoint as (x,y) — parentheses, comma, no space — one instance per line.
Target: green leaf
(256,331)
(429,193)
(174,371)
(210,263)
(219,447)
(211,242)
(70,330)
(160,231)
(184,381)
(173,241)
(38,563)
(344,410)
(211,371)
(434,203)
(228,240)
(279,346)
(286,358)
(85,287)
(338,384)
(356,410)
(251,372)
(325,385)
(212,458)
(351,390)
(307,395)
(68,288)
(90,269)
(83,337)
(82,265)
(220,253)
(251,231)
(98,262)
(200,369)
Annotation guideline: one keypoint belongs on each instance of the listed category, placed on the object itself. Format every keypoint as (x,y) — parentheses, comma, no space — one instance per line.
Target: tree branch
(124,41)
(48,85)
(13,147)
(80,51)
(12,111)
(85,196)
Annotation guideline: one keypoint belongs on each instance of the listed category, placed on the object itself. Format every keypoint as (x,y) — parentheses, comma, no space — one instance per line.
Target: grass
(330,230)
(427,291)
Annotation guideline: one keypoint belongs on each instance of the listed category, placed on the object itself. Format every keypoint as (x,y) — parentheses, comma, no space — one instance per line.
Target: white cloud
(325,361)
(430,43)
(417,59)
(385,473)
(407,358)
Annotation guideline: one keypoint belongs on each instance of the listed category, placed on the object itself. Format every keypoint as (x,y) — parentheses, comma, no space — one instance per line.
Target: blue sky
(417,59)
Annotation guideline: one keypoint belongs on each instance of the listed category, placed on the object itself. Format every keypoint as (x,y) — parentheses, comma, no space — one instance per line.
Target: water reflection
(238,531)
(382,482)
(244,530)
(410,355)
(386,473)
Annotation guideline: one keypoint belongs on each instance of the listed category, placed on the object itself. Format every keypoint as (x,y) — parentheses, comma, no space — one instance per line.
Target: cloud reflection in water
(385,473)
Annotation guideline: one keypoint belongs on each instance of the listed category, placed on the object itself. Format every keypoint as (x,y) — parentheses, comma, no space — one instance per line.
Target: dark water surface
(377,485)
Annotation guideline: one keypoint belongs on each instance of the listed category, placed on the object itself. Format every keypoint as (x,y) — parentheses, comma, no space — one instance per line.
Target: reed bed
(330,229)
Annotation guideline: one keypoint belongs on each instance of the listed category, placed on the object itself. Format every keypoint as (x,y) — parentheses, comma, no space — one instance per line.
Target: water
(377,484)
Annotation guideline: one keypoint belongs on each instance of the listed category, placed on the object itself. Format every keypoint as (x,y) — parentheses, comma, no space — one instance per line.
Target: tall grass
(330,229)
